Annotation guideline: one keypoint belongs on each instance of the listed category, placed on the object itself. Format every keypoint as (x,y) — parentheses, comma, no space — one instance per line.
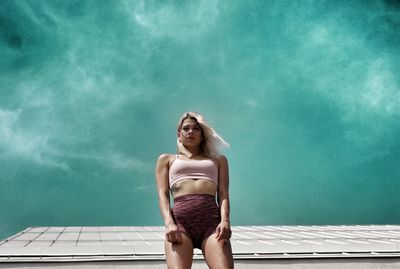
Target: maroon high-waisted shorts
(197,215)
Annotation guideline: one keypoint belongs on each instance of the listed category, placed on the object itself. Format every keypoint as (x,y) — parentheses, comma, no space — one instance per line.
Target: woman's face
(190,133)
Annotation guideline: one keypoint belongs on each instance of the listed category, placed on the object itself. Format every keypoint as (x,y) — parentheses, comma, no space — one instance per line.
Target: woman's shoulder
(221,158)
(166,158)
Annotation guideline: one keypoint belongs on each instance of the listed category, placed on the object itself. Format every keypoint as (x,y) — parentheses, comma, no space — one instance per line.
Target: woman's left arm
(224,228)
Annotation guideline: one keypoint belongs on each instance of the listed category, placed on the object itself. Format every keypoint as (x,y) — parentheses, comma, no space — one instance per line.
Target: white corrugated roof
(248,242)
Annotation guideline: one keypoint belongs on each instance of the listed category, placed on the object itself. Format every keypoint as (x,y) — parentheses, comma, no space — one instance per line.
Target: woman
(195,177)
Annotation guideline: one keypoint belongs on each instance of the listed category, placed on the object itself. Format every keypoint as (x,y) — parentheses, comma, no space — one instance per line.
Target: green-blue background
(306,92)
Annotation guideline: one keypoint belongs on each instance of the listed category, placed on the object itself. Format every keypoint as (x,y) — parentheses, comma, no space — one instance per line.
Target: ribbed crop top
(192,169)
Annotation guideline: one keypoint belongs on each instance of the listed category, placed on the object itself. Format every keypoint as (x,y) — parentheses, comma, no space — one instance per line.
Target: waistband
(191,197)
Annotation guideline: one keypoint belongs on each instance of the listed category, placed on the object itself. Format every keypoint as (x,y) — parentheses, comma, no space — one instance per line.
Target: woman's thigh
(218,254)
(179,255)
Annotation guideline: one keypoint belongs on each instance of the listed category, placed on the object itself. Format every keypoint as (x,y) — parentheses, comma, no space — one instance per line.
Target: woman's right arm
(162,168)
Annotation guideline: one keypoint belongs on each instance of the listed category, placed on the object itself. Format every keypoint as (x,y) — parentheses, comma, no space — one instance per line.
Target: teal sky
(306,92)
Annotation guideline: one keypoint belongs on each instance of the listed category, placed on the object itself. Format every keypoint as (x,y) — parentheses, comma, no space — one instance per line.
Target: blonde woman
(198,179)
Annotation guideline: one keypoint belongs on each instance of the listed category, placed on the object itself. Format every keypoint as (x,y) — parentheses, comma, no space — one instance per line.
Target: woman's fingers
(223,233)
(178,236)
(173,239)
(168,237)
(174,236)
(229,234)
(218,233)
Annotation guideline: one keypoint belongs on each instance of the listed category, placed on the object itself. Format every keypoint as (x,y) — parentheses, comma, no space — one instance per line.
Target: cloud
(118,160)
(145,188)
(35,146)
(25,143)
(380,92)
(113,159)
(354,75)
(182,22)
(251,103)
(348,70)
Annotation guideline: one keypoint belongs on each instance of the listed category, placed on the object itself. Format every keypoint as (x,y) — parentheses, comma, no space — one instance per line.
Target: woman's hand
(172,234)
(223,231)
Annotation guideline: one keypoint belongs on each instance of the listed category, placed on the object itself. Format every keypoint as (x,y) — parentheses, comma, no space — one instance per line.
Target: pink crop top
(192,169)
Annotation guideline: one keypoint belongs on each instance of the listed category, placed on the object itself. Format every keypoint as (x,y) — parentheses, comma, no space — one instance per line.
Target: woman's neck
(194,149)
(196,152)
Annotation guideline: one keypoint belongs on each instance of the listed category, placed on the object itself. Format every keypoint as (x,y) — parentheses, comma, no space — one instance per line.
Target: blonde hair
(212,141)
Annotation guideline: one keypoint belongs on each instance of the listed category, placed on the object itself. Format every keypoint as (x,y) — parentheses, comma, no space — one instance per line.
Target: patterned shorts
(197,215)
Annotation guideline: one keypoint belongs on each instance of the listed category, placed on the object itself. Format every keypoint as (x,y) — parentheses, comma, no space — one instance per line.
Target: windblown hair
(212,141)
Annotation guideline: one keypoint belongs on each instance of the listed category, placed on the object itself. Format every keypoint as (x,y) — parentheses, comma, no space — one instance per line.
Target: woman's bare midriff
(194,186)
